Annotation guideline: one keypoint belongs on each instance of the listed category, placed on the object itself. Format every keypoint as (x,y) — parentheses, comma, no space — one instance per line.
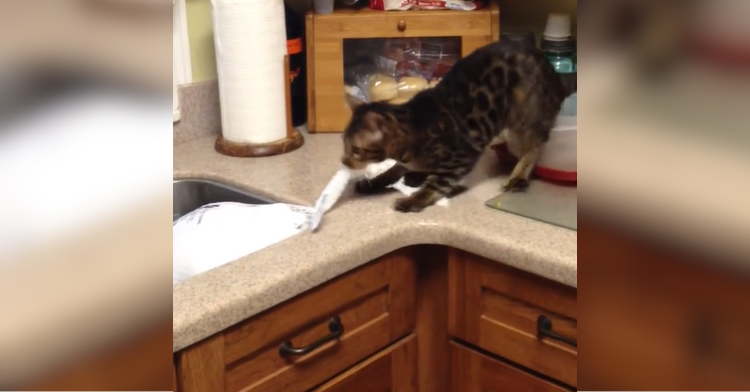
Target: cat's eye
(368,151)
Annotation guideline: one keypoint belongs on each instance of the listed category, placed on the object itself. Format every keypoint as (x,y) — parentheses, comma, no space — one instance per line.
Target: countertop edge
(231,310)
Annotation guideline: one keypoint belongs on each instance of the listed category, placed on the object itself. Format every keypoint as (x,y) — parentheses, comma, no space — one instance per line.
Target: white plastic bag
(219,233)
(376,168)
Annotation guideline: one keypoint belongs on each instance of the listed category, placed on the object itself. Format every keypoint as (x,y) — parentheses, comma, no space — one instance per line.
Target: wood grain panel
(202,366)
(367,23)
(391,370)
(475,372)
(432,318)
(496,307)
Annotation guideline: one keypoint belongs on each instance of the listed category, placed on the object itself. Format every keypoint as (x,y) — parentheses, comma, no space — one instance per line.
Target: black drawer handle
(334,326)
(544,329)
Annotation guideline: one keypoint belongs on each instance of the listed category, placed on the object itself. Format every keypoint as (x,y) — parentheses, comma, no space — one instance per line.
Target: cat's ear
(374,120)
(375,125)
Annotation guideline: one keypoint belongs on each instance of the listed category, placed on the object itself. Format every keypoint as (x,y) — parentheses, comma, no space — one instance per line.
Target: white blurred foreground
(85,187)
(79,161)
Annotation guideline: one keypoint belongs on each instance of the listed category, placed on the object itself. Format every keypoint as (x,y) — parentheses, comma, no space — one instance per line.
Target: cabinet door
(391,370)
(474,372)
(311,338)
(530,320)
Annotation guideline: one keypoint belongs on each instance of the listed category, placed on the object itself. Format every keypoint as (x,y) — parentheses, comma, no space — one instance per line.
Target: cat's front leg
(380,182)
(435,187)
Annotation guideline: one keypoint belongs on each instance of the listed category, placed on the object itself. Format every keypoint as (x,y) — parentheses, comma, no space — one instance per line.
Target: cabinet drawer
(367,23)
(375,306)
(498,308)
(393,369)
(474,372)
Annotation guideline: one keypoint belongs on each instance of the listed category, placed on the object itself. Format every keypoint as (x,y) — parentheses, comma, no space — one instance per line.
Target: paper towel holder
(291,142)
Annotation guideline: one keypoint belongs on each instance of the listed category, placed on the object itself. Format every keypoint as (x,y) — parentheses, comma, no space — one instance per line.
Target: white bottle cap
(558,27)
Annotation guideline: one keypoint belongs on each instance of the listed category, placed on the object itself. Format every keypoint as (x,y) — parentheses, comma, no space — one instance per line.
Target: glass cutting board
(550,203)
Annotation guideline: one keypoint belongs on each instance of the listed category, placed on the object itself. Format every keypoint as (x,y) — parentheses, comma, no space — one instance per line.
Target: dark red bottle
(295,45)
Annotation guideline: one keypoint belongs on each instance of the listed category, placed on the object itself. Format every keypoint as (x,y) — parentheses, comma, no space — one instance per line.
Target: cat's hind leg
(530,144)
(499,140)
(518,181)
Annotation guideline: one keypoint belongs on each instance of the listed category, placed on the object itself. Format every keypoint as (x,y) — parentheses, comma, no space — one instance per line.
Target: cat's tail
(569,83)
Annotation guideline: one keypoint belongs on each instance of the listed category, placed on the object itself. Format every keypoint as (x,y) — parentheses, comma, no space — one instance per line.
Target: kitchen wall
(514,15)
(202,56)
(532,14)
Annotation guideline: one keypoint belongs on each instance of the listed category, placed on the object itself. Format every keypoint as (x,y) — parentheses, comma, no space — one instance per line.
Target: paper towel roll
(250,40)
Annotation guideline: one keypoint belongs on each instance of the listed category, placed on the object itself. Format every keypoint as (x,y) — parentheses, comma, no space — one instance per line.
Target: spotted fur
(501,93)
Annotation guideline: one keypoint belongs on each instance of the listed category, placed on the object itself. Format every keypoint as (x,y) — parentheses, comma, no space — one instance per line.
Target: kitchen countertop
(358,229)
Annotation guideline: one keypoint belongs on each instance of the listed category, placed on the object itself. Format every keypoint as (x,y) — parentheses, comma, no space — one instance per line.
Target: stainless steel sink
(188,195)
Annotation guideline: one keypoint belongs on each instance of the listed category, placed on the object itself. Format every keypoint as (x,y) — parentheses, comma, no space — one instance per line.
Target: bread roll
(407,95)
(410,85)
(382,87)
(399,100)
(433,83)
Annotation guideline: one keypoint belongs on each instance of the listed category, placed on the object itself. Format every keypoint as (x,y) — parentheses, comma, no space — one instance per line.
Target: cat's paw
(516,185)
(407,204)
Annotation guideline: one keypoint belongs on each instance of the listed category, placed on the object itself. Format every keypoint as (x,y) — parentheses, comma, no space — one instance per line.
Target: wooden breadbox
(328,110)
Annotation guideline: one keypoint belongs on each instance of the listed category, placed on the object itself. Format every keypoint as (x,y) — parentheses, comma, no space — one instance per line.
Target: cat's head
(372,135)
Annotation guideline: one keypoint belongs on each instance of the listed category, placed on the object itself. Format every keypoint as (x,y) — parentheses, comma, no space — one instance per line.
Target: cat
(500,93)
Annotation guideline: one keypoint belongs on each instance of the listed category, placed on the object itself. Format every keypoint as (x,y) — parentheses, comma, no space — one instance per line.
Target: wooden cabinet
(326,33)
(354,317)
(395,313)
(514,314)
(475,372)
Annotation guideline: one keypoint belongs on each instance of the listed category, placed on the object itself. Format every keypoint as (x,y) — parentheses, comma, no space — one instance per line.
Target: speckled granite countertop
(357,230)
